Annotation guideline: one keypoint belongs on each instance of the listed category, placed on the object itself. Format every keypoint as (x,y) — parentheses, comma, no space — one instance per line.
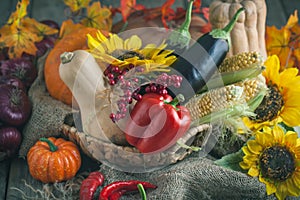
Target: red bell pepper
(156,123)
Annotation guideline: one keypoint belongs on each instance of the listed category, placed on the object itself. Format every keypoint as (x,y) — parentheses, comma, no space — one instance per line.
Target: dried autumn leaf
(284,42)
(167,12)
(67,27)
(98,17)
(127,7)
(18,40)
(38,28)
(21,12)
(76,5)
(293,20)
(277,42)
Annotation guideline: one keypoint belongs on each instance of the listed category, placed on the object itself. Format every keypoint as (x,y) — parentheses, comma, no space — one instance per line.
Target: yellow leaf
(98,17)
(38,28)
(18,41)
(293,20)
(76,5)
(21,11)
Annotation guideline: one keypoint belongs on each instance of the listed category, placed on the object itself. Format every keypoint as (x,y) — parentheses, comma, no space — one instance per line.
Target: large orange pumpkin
(53,160)
(73,41)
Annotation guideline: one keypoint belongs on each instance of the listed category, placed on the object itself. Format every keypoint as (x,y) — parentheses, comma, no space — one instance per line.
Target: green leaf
(231,161)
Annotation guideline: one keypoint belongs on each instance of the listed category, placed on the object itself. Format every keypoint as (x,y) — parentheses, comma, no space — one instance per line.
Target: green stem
(142,191)
(188,17)
(52,147)
(230,25)
(225,32)
(181,37)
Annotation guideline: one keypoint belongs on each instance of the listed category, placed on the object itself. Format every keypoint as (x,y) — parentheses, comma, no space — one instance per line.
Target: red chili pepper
(90,184)
(156,123)
(118,188)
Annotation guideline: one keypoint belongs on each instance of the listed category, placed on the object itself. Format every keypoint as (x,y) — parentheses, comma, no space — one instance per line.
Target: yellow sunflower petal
(296,178)
(291,116)
(287,75)
(292,188)
(244,165)
(251,158)
(278,134)
(101,37)
(253,171)
(290,138)
(264,139)
(146,51)
(132,43)
(117,41)
(254,147)
(92,43)
(272,69)
(281,191)
(270,187)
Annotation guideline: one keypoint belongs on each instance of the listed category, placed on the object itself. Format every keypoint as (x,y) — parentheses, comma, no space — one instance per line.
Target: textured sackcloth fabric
(48,114)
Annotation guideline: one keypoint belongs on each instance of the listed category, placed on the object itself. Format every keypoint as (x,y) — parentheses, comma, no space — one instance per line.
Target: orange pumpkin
(53,160)
(73,41)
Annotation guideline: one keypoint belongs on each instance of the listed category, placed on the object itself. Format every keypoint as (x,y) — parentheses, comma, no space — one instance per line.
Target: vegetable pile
(18,72)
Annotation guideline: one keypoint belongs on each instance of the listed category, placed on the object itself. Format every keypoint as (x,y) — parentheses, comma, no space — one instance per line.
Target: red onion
(10,140)
(50,23)
(21,68)
(14,81)
(15,105)
(44,45)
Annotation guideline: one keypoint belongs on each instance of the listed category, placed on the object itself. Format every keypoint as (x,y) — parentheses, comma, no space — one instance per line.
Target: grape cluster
(114,73)
(158,85)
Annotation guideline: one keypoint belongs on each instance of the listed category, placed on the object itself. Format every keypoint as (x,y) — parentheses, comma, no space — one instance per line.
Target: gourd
(53,160)
(84,77)
(249,31)
(72,41)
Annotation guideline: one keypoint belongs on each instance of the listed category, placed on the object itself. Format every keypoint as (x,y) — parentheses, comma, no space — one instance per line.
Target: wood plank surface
(17,175)
(4,171)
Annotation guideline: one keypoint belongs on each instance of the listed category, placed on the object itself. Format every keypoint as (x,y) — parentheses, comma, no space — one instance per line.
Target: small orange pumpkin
(53,160)
(72,41)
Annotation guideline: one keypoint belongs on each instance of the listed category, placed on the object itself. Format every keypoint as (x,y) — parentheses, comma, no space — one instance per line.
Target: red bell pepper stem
(125,186)
(179,98)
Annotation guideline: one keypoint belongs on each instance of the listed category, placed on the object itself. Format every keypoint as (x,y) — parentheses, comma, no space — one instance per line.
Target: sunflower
(129,53)
(281,102)
(274,156)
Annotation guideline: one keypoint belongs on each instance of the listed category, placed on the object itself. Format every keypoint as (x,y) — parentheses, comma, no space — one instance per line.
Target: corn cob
(241,61)
(225,97)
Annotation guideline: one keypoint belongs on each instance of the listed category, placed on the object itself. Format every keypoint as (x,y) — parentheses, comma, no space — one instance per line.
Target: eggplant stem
(230,25)
(52,147)
(225,32)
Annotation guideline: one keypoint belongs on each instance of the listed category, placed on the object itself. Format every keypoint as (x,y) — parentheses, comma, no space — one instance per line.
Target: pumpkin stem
(225,32)
(52,147)
(66,57)
(180,38)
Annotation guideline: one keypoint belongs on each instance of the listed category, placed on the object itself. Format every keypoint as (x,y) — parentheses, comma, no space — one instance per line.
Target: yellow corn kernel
(241,61)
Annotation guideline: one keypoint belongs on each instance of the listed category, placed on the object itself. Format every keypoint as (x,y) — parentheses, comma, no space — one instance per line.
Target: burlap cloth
(195,177)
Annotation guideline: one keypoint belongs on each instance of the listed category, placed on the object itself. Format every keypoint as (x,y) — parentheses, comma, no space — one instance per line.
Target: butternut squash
(83,76)
(249,31)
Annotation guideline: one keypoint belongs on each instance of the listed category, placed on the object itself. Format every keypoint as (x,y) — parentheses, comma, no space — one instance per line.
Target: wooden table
(13,171)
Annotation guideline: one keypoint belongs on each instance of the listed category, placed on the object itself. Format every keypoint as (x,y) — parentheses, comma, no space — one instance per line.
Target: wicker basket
(128,158)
